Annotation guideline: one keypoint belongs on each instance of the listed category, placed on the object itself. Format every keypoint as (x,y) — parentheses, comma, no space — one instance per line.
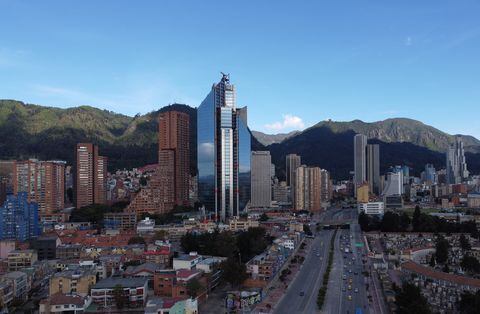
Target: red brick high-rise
(91,176)
(44,183)
(174,156)
(169,185)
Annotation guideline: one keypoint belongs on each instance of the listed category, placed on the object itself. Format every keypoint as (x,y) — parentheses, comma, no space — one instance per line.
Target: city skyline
(399,50)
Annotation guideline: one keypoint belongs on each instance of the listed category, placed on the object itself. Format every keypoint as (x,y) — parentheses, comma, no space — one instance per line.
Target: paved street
(310,277)
(308,280)
(347,289)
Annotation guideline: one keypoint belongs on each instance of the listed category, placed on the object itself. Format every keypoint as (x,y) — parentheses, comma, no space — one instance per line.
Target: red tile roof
(61,299)
(438,275)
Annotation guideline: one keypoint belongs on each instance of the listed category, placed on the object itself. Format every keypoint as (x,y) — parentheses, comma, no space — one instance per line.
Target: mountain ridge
(28,130)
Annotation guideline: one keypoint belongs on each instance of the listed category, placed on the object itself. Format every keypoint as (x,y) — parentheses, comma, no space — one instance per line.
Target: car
(302,293)
(318,254)
(356,290)
(349,287)
(350,271)
(355,272)
(349,298)
(344,277)
(343,289)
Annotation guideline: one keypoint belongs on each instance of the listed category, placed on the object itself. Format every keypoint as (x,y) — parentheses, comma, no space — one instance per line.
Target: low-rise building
(19,259)
(122,220)
(372,208)
(64,303)
(173,283)
(146,225)
(78,281)
(134,290)
(6,292)
(69,251)
(19,283)
(158,305)
(242,224)
(160,257)
(186,261)
(46,247)
(473,200)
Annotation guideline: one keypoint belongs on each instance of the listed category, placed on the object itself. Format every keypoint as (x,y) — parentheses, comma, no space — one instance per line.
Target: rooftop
(61,299)
(438,275)
(111,282)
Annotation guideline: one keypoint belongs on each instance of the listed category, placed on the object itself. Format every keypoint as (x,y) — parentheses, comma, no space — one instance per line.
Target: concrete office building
(325,186)
(373,168)
(224,149)
(293,161)
(457,171)
(393,184)
(360,159)
(261,179)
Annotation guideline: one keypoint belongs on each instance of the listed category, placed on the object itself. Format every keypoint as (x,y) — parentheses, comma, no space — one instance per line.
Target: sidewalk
(276,289)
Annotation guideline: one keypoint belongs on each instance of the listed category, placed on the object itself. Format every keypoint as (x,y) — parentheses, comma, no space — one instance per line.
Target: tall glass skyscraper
(224,147)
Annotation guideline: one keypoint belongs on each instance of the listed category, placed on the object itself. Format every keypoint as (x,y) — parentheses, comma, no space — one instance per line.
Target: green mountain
(329,145)
(269,139)
(402,130)
(28,131)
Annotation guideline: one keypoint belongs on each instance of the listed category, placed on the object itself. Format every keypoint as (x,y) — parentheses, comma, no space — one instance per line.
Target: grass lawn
(410,211)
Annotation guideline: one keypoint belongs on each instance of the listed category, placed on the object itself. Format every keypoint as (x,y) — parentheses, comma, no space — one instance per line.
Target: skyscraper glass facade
(223,152)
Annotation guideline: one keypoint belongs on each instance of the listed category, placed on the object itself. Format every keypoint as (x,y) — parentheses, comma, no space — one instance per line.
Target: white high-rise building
(394,184)
(261,193)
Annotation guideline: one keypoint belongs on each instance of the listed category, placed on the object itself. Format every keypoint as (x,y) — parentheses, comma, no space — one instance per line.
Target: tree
(364,221)
(194,287)
(160,235)
(465,243)
(264,217)
(390,222)
(446,269)
(404,222)
(441,250)
(416,220)
(409,299)
(470,264)
(306,229)
(119,297)
(234,272)
(136,240)
(469,303)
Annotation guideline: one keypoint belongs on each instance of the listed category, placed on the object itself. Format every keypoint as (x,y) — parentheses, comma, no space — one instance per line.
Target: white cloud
(290,122)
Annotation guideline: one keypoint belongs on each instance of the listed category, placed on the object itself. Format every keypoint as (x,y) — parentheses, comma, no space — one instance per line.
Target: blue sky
(294,62)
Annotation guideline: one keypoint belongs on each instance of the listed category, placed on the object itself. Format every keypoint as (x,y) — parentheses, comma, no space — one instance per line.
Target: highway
(308,280)
(347,286)
(301,295)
